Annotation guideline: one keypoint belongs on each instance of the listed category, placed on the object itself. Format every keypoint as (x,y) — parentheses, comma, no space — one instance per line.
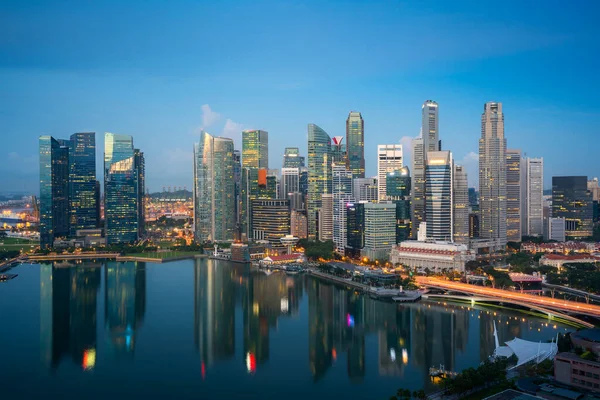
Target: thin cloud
(209,117)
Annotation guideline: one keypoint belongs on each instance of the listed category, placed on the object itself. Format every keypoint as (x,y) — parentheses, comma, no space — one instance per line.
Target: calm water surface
(213,330)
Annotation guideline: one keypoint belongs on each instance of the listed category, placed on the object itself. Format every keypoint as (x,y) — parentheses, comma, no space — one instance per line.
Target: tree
(3,234)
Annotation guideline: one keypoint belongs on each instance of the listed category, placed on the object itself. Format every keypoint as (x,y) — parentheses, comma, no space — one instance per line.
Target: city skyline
(542,100)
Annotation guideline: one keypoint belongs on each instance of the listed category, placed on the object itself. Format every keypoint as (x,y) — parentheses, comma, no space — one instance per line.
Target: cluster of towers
(70,202)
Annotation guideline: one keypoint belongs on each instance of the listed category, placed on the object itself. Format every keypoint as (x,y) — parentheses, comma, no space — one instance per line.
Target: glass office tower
(319,173)
(54,190)
(82,182)
(438,195)
(355,144)
(572,201)
(122,195)
(398,187)
(214,189)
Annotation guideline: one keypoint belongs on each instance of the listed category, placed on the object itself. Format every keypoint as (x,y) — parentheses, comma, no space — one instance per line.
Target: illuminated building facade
(492,175)
(355,144)
(398,188)
(54,190)
(439,195)
(255,157)
(214,189)
(123,181)
(319,173)
(389,159)
(270,220)
(82,182)
(572,201)
(514,195)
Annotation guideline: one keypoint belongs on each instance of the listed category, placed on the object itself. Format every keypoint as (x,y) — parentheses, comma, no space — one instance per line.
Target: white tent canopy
(524,350)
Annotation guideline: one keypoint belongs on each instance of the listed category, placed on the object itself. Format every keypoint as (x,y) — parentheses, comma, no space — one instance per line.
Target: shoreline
(109,256)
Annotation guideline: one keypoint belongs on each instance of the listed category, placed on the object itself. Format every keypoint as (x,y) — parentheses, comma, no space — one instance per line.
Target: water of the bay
(204,329)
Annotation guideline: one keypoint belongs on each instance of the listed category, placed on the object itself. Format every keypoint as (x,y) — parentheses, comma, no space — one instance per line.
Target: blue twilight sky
(162,70)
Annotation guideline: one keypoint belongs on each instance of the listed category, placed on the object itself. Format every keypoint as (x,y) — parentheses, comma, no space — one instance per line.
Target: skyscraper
(398,187)
(365,189)
(214,196)
(533,192)
(54,190)
(270,220)
(492,175)
(439,195)
(290,181)
(460,200)
(380,230)
(342,194)
(326,217)
(237,180)
(319,173)
(255,156)
(428,141)
(572,201)
(292,158)
(82,182)
(355,228)
(355,144)
(122,195)
(140,170)
(513,195)
(389,159)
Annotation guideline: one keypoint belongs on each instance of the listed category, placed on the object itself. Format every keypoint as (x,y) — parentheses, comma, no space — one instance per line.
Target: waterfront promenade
(514,297)
(112,256)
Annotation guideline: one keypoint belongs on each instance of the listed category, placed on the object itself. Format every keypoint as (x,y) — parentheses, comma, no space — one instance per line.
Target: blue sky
(162,70)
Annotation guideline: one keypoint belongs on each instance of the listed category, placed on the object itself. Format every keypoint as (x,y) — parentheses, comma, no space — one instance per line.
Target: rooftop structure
(435,256)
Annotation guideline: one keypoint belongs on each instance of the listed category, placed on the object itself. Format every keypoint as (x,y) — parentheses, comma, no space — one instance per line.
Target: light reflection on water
(211,329)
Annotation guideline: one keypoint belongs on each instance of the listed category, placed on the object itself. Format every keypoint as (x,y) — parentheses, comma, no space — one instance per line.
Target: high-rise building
(140,170)
(338,150)
(326,218)
(123,173)
(439,196)
(473,199)
(492,175)
(428,141)
(474,225)
(365,189)
(513,195)
(342,194)
(554,229)
(355,144)
(54,190)
(319,173)
(355,228)
(303,182)
(296,201)
(270,220)
(255,149)
(299,224)
(398,187)
(214,195)
(267,185)
(237,181)
(572,201)
(380,230)
(292,158)
(290,181)
(389,159)
(255,156)
(82,182)
(460,199)
(533,194)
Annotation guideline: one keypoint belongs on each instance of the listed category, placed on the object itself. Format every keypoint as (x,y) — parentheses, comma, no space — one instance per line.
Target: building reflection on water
(124,303)
(344,329)
(69,304)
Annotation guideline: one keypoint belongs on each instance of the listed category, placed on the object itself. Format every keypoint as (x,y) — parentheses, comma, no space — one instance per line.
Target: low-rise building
(435,256)
(573,370)
(558,260)
(283,259)
(565,247)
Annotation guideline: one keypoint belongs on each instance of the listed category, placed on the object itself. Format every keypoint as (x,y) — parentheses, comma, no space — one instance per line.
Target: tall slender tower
(121,189)
(439,195)
(429,141)
(214,194)
(389,159)
(342,194)
(355,144)
(319,173)
(82,182)
(460,206)
(54,190)
(255,156)
(534,196)
(492,175)
(514,194)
